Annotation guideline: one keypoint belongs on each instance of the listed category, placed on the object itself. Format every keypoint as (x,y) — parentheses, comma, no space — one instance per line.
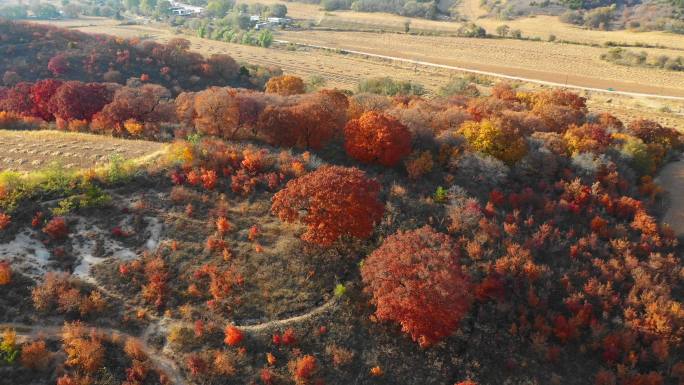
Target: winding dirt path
(671,178)
(164,364)
(161,362)
(282,323)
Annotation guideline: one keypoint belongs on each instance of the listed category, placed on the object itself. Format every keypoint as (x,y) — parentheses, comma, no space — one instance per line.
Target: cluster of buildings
(181,9)
(269,22)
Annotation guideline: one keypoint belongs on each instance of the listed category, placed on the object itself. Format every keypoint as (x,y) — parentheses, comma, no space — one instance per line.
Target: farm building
(181,9)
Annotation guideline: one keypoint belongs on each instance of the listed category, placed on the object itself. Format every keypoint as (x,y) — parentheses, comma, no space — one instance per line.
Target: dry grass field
(32,150)
(536,26)
(554,62)
(542,26)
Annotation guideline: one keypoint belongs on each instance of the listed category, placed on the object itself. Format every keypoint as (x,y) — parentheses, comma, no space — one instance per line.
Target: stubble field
(32,150)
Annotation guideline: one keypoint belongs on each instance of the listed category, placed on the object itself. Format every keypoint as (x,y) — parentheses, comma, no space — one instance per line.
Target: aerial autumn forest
(278,234)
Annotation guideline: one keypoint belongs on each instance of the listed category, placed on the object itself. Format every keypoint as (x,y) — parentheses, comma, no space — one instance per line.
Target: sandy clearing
(84,242)
(26,254)
(30,256)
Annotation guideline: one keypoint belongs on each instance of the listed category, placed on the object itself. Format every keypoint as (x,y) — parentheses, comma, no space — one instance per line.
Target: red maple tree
(336,200)
(415,279)
(377,138)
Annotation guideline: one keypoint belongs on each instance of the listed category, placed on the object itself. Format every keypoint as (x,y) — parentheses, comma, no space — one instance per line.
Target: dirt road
(558,65)
(671,178)
(505,76)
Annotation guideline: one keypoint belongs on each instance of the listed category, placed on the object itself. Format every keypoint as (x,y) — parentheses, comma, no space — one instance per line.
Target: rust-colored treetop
(415,279)
(285,85)
(377,138)
(332,201)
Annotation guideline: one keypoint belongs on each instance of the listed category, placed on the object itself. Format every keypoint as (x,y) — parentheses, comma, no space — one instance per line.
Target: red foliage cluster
(136,111)
(337,200)
(136,374)
(377,138)
(56,228)
(35,355)
(5,221)
(155,290)
(219,287)
(53,99)
(151,274)
(415,279)
(233,336)
(196,365)
(66,295)
(310,122)
(214,164)
(304,368)
(5,273)
(74,55)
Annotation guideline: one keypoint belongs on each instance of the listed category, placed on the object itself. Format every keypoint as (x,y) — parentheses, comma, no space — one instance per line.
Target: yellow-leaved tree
(491,138)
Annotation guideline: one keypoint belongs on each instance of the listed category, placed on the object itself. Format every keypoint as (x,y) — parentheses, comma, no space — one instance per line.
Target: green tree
(13,12)
(163,8)
(220,8)
(45,11)
(277,10)
(503,30)
(131,4)
(148,6)
(265,38)
(241,21)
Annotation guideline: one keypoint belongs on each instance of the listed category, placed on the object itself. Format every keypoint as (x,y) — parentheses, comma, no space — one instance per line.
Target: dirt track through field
(671,178)
(550,64)
(494,74)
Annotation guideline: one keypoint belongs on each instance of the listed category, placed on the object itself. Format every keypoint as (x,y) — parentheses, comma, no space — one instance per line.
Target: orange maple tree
(310,123)
(415,279)
(5,221)
(5,273)
(233,336)
(377,138)
(285,85)
(332,201)
(304,368)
